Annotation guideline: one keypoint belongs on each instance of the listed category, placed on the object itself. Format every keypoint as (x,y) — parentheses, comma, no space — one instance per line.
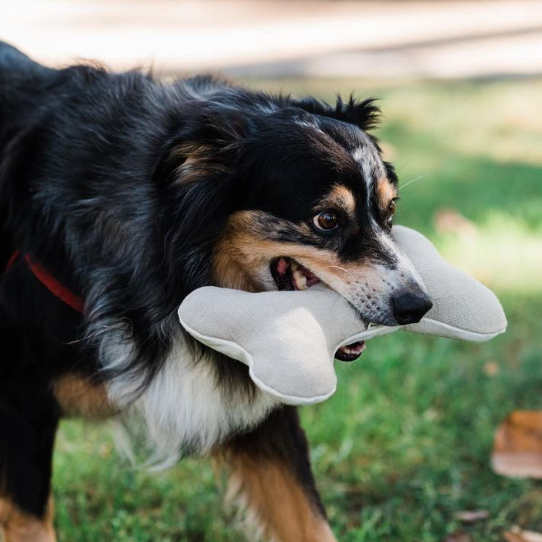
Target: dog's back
(23,84)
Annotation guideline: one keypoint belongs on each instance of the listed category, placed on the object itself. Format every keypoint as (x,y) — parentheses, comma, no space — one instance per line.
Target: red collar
(53,285)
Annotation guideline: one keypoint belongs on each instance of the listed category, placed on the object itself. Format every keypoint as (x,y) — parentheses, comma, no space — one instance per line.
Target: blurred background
(402,452)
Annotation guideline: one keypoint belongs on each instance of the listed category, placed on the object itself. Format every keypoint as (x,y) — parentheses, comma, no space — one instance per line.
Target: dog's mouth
(290,275)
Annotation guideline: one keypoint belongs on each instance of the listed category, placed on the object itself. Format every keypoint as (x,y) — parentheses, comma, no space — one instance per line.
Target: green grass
(405,443)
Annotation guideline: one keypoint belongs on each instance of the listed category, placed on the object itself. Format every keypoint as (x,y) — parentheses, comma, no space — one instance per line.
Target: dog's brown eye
(392,207)
(326,220)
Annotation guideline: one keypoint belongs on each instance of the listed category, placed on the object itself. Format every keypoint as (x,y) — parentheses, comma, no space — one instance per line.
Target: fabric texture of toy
(288,339)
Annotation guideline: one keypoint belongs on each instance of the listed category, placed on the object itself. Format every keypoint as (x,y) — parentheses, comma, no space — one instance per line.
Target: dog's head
(312,201)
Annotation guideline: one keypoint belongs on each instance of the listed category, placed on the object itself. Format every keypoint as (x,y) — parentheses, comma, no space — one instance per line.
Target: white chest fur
(184,407)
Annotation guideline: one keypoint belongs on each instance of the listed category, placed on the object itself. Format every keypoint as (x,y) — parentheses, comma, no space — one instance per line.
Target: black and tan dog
(119,195)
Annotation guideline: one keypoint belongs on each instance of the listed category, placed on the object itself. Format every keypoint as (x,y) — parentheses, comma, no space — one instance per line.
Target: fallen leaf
(471,516)
(519,535)
(491,368)
(517,448)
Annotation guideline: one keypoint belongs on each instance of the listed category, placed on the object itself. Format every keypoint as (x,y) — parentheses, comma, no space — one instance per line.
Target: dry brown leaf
(471,516)
(519,535)
(491,368)
(517,449)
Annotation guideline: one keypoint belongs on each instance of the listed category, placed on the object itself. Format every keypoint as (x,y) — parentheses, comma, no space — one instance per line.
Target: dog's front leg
(26,447)
(19,526)
(270,478)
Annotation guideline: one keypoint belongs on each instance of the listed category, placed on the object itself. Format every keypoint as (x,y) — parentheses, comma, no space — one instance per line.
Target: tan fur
(342,197)
(18,526)
(276,507)
(245,251)
(77,396)
(386,192)
(196,161)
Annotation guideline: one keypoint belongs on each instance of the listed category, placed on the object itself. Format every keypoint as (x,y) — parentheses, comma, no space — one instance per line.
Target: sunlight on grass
(502,252)
(498,120)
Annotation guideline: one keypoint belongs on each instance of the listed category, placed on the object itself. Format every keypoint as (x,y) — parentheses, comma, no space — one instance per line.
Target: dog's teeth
(300,279)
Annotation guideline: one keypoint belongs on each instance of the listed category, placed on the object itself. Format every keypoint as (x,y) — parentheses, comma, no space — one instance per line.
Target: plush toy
(288,339)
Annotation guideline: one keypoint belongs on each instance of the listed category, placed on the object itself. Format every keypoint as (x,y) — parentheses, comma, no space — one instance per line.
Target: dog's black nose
(409,308)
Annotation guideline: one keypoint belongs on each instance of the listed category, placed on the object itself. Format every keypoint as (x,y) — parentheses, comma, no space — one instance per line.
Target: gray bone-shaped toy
(288,339)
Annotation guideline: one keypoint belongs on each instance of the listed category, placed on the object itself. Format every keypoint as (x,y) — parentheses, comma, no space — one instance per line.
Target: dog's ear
(206,140)
(364,114)
(196,183)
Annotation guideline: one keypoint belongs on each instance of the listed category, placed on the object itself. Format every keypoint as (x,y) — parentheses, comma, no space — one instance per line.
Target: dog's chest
(185,409)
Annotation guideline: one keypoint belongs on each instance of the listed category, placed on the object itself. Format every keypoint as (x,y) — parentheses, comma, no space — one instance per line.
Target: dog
(119,195)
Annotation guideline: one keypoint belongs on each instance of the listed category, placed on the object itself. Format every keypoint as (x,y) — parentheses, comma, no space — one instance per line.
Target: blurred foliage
(405,442)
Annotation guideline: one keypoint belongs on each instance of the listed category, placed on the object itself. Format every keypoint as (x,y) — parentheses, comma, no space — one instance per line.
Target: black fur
(96,185)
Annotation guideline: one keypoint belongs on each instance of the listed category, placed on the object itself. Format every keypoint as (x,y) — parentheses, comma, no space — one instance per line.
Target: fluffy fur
(133,193)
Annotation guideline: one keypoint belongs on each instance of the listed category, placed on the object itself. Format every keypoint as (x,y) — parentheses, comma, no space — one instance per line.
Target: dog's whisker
(340,268)
(413,181)
(407,162)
